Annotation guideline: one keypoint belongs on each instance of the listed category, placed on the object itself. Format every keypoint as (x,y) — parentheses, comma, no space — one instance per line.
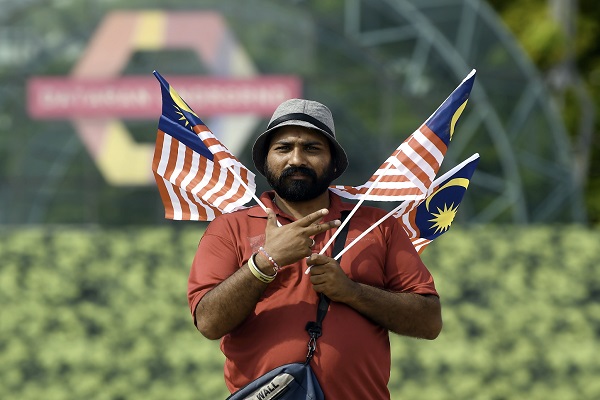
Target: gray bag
(295,381)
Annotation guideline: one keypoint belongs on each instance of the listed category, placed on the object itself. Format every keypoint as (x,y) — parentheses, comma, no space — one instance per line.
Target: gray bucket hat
(307,113)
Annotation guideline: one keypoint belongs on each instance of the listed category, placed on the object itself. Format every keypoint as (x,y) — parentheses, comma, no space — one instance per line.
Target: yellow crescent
(456,116)
(179,101)
(464,182)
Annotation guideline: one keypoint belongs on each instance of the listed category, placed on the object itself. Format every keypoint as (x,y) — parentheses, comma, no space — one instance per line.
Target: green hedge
(103,315)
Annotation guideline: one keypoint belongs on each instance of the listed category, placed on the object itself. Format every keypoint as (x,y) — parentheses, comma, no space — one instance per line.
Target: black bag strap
(315,328)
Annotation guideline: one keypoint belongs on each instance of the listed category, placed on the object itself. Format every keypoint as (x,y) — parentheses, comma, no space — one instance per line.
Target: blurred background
(93,278)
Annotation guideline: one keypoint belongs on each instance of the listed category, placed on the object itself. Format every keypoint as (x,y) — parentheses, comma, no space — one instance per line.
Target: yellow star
(443,219)
(183,118)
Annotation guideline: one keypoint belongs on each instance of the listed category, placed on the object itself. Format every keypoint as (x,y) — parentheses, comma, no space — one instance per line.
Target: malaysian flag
(428,218)
(197,177)
(410,170)
(431,215)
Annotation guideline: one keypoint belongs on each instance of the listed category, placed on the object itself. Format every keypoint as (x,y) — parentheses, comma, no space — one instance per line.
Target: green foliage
(520,311)
(546,42)
(103,315)
(540,35)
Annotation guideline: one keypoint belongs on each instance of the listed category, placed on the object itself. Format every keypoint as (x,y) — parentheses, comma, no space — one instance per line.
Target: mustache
(294,170)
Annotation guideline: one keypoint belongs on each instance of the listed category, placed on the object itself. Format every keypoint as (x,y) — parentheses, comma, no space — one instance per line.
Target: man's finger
(271,218)
(315,229)
(316,271)
(312,217)
(317,260)
(317,279)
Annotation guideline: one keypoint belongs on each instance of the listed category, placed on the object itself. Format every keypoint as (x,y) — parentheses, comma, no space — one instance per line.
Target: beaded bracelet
(271,260)
(261,276)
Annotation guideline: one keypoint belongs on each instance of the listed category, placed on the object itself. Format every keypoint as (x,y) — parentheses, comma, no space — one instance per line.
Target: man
(247,283)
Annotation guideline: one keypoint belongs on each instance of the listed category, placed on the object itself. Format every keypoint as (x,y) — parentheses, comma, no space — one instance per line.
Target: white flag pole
(241,181)
(362,199)
(407,172)
(394,211)
(402,207)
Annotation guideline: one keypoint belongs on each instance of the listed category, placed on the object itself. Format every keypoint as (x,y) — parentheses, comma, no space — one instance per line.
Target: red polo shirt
(352,360)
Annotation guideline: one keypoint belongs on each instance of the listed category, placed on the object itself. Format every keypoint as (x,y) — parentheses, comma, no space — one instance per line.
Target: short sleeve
(216,259)
(404,269)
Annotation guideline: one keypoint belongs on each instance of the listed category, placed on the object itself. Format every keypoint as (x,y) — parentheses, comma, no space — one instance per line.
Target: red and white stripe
(420,244)
(194,188)
(422,154)
(407,219)
(406,174)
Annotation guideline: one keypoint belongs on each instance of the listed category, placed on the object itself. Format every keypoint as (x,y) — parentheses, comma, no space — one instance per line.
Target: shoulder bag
(294,381)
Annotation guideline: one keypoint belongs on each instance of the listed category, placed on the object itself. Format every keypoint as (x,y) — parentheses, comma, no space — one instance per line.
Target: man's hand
(327,277)
(407,314)
(292,242)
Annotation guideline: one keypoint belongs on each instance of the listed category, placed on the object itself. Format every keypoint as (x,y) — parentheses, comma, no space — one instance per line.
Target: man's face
(299,166)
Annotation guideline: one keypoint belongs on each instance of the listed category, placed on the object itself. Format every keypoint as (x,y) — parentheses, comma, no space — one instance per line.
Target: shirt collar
(336,206)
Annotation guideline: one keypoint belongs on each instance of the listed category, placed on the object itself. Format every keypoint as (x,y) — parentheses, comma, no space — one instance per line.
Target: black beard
(295,190)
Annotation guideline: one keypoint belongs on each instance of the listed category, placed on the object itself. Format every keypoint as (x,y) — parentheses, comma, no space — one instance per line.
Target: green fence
(103,315)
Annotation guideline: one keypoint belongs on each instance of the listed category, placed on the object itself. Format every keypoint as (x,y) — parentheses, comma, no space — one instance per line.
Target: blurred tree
(46,176)
(561,37)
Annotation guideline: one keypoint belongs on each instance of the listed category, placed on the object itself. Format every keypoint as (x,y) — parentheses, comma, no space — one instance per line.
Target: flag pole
(394,211)
(362,199)
(241,181)
(416,202)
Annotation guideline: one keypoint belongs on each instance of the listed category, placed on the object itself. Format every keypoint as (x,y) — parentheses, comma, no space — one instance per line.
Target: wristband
(271,260)
(261,276)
